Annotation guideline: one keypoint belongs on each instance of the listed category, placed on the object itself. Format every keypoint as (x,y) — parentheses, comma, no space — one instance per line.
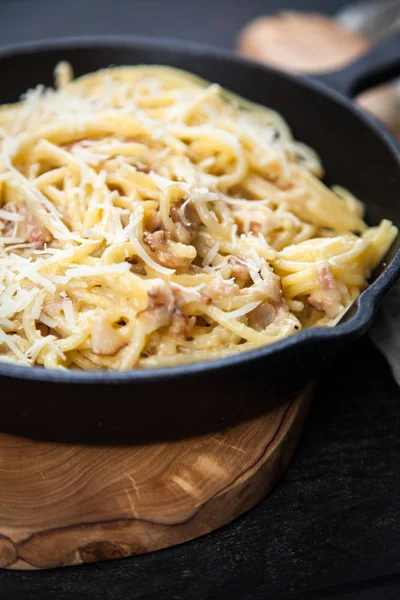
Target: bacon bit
(192,214)
(255,227)
(185,233)
(30,228)
(164,250)
(271,286)
(239,269)
(258,219)
(326,302)
(325,277)
(178,324)
(175,214)
(160,309)
(155,317)
(185,296)
(328,299)
(152,345)
(171,260)
(141,167)
(44,329)
(281,305)
(181,325)
(161,295)
(155,240)
(136,266)
(106,339)
(262,316)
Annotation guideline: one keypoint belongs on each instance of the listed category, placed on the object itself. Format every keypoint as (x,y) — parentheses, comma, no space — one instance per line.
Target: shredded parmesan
(10,216)
(46,320)
(9,341)
(144,213)
(243,310)
(69,314)
(37,306)
(211,254)
(182,215)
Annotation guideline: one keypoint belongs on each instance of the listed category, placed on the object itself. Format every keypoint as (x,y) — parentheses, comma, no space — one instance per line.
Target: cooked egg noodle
(148,219)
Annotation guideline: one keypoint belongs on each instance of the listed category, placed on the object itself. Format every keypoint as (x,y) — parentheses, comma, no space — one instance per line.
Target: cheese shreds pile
(148,219)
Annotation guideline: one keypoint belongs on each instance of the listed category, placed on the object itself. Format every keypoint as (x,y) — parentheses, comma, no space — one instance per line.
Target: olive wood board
(66,504)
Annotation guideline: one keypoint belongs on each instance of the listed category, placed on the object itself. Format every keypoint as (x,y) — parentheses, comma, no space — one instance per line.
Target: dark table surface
(331,529)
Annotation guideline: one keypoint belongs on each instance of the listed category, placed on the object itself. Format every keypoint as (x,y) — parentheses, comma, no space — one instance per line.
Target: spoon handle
(374,19)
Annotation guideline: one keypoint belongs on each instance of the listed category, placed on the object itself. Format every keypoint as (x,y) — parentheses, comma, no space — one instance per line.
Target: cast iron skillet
(168,403)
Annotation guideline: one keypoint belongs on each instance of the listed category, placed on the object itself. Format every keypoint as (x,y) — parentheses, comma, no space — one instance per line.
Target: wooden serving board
(66,504)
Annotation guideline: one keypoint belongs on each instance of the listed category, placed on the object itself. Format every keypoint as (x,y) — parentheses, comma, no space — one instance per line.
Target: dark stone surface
(331,529)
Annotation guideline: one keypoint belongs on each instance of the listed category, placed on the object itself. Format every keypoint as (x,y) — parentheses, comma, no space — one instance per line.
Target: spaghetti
(148,219)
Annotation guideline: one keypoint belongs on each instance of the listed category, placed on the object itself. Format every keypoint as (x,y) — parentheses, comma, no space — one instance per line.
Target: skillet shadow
(119,414)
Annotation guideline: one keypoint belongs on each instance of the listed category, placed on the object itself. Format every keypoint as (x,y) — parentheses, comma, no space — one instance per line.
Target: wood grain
(64,504)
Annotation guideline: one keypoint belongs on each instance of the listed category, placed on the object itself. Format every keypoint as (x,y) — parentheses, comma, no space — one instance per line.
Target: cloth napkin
(385,332)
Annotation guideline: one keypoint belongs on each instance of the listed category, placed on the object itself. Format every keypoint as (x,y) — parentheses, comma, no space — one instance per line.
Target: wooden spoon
(310,42)
(304,42)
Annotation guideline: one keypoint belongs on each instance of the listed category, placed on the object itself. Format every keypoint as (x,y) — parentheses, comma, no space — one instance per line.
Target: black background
(331,529)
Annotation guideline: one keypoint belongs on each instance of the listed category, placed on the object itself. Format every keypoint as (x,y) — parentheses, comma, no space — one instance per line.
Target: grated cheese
(211,254)
(69,314)
(88,171)
(9,342)
(51,323)
(31,274)
(33,351)
(243,310)
(182,215)
(10,216)
(37,306)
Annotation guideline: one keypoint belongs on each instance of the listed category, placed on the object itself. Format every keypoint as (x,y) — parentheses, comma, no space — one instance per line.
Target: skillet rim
(367,303)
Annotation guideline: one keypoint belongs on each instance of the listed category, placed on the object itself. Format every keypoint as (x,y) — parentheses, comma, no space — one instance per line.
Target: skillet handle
(379,65)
